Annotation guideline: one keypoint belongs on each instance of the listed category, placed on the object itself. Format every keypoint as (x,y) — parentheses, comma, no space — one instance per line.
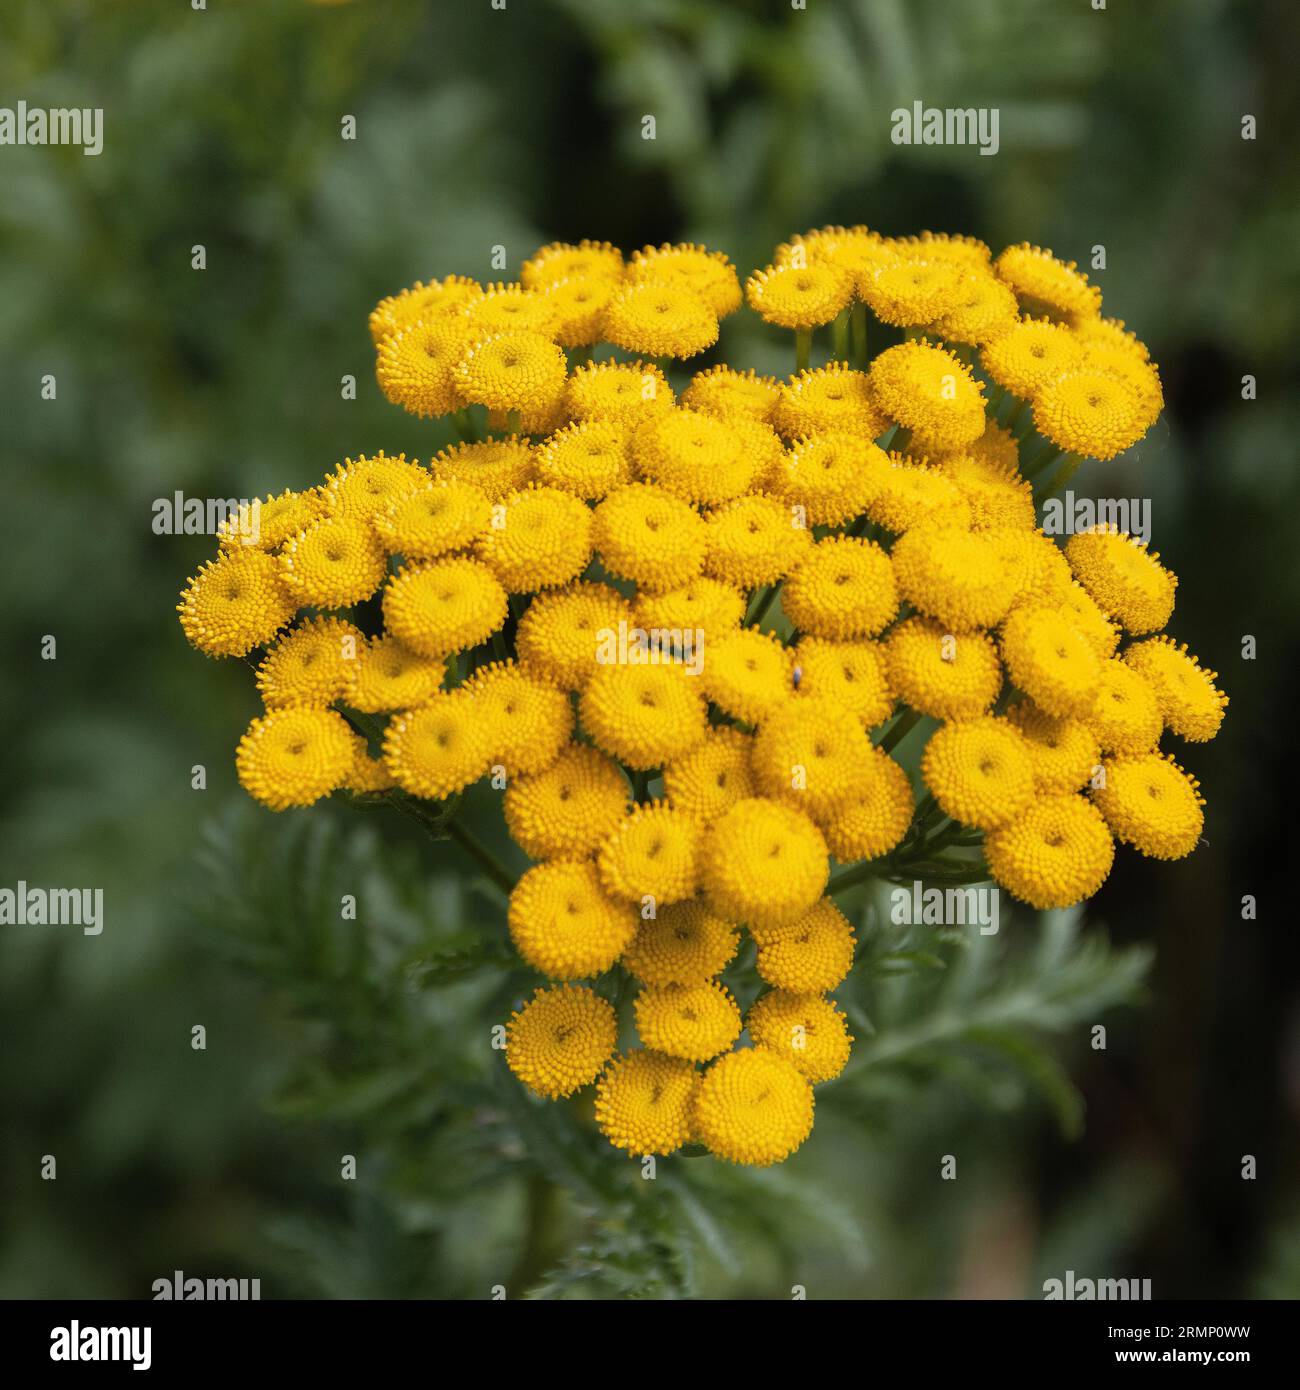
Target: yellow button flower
(762,863)
(620,392)
(941,673)
(564,924)
(683,944)
(434,519)
(1149,802)
(560,1040)
(704,782)
(930,391)
(539,538)
(805,1029)
(854,675)
(957,577)
(311,665)
(1124,577)
(650,856)
(570,808)
(695,1022)
(877,821)
(747,674)
(649,536)
(589,458)
(643,715)
(1190,703)
(293,757)
(643,1102)
(1055,853)
(845,588)
(810,955)
(979,771)
(497,467)
(1050,660)
(708,274)
(438,748)
(560,635)
(1064,752)
(235,603)
(661,319)
(800,297)
(1044,285)
(1124,714)
(387,676)
(753,1107)
(443,605)
(527,722)
(730,394)
(833,397)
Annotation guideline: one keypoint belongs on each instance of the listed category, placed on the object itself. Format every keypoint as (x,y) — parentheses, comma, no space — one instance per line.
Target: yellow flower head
(567,810)
(564,924)
(235,603)
(811,955)
(1044,285)
(438,299)
(1123,713)
(661,319)
(1111,333)
(696,457)
(513,371)
(643,1102)
(434,519)
(1190,703)
(1041,573)
(996,448)
(753,540)
(957,577)
(930,391)
(561,260)
(968,253)
(293,757)
(875,822)
(1031,355)
(941,673)
(621,392)
(708,274)
(845,588)
(1124,577)
(703,782)
(337,561)
(1126,366)
(647,535)
(1090,413)
(831,476)
(998,499)
(763,863)
(1056,853)
(850,249)
(508,308)
(540,538)
(651,856)
(442,606)
(277,519)
(984,308)
(710,605)
(910,292)
(560,1040)
(1075,603)
(643,715)
(805,1029)
(854,675)
(979,771)
(366,775)
(588,459)
(437,749)
(1063,751)
(1050,660)
(559,637)
(579,307)
(311,665)
(753,1107)
(684,944)
(361,488)
(1149,802)
(813,754)
(497,467)
(730,394)
(799,297)
(387,676)
(747,673)
(416,366)
(903,495)
(833,397)
(528,722)
(695,1022)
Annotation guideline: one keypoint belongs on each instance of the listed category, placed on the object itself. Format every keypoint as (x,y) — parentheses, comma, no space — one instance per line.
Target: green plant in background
(180,379)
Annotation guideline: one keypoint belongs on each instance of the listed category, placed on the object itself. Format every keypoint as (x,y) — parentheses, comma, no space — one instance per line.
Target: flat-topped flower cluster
(858,549)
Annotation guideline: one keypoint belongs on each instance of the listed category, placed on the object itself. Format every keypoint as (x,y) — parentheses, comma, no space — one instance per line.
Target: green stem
(513,422)
(1045,455)
(1014,418)
(899,440)
(763,603)
(899,730)
(1069,467)
(802,349)
(840,336)
(487,861)
(858,334)
(850,878)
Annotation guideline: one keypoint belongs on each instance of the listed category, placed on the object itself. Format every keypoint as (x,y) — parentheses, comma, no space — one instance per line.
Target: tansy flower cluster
(684,620)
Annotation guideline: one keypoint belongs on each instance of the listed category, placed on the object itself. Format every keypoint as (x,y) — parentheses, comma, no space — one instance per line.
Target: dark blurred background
(479,127)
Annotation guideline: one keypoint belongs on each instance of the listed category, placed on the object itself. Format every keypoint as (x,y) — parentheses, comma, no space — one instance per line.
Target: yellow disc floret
(564,924)
(293,757)
(753,1107)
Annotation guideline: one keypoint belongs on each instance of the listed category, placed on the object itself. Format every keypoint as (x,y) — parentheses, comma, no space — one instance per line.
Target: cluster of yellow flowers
(571,601)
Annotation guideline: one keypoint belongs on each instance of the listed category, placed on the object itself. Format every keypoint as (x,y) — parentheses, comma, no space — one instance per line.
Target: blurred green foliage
(478,128)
